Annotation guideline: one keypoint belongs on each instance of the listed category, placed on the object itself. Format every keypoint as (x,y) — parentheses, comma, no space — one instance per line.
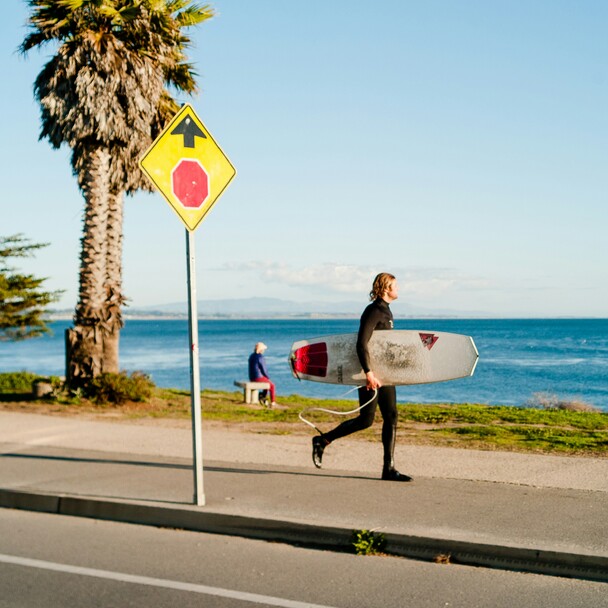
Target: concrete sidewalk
(515,512)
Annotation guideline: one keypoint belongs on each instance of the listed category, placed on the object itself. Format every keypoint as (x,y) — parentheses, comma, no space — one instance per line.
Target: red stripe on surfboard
(311,360)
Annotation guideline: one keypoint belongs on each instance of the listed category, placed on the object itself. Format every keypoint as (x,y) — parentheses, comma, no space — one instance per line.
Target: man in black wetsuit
(377,316)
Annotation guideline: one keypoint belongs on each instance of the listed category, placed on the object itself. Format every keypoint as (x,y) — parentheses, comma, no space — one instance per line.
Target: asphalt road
(56,561)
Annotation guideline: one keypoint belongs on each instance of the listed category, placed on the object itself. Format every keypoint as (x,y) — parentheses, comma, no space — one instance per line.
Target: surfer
(377,316)
(259,373)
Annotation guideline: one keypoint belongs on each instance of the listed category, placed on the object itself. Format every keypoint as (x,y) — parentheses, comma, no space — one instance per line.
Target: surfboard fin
(292,363)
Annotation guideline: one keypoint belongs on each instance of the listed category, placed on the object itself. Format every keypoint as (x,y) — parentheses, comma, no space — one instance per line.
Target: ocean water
(518,358)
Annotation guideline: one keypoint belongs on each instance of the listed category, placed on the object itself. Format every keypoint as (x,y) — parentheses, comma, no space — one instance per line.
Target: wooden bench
(251,390)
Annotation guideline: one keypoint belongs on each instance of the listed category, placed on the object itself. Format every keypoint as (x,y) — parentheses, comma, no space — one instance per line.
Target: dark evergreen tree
(23,302)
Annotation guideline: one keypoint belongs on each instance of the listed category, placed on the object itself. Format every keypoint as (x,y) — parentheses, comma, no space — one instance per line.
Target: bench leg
(250,395)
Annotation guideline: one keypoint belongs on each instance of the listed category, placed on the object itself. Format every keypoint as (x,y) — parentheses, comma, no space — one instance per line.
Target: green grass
(462,425)
(535,439)
(500,414)
(465,425)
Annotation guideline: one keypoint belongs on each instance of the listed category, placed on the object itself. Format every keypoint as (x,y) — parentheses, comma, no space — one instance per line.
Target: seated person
(258,371)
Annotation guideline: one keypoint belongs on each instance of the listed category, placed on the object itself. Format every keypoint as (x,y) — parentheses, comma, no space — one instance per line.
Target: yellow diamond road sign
(188,167)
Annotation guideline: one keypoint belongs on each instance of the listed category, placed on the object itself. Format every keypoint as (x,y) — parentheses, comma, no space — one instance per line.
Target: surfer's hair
(381,285)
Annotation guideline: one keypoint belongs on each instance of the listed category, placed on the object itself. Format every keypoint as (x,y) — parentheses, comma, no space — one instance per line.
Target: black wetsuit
(377,316)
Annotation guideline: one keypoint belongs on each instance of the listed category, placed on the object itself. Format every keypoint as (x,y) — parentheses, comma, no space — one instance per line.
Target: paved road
(55,562)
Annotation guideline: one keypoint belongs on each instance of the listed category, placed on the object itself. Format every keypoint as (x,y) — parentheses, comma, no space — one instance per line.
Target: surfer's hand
(372,382)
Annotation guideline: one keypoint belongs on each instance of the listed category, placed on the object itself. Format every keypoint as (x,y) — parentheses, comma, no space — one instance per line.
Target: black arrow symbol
(189,129)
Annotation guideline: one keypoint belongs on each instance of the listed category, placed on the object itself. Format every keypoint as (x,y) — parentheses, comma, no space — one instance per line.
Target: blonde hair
(381,285)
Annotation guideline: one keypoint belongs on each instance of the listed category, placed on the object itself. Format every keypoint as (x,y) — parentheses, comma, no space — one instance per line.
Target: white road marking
(157,582)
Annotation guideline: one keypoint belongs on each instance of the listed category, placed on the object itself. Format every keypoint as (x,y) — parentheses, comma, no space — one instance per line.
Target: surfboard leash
(336,413)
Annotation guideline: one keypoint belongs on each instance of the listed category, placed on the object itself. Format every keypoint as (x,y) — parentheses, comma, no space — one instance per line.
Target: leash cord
(336,413)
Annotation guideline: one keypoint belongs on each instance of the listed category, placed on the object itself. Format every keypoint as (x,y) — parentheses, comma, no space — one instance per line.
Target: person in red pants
(258,371)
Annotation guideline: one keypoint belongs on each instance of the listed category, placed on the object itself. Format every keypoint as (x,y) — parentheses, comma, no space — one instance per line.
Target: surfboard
(398,357)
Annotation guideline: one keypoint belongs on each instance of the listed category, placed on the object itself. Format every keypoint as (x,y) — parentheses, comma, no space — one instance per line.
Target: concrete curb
(186,517)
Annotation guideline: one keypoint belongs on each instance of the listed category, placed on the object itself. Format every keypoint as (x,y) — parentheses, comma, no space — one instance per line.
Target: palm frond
(104,85)
(127,13)
(69,4)
(108,11)
(193,15)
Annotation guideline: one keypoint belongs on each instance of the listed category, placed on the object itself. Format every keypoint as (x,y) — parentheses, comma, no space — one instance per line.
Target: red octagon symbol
(190,183)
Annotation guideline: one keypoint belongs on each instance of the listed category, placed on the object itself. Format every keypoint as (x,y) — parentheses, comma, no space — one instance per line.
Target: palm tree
(106,94)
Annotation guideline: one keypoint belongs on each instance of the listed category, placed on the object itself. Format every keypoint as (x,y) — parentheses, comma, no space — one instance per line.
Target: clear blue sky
(462,146)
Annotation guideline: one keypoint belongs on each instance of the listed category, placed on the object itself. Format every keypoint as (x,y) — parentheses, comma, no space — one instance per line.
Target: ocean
(519,358)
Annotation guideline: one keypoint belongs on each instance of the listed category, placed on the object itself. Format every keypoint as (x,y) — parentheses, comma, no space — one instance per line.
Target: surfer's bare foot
(318,445)
(394,475)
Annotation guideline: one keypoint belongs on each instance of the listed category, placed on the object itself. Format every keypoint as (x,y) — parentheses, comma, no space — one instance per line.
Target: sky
(460,145)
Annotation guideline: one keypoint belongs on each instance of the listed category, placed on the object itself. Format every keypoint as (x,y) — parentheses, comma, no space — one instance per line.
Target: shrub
(577,406)
(543,401)
(17,382)
(548,401)
(120,388)
(368,542)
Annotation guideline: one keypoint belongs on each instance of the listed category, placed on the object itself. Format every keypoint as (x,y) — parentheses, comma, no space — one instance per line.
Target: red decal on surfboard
(311,360)
(428,340)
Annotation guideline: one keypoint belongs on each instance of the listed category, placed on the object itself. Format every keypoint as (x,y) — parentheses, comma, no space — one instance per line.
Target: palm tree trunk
(114,299)
(85,341)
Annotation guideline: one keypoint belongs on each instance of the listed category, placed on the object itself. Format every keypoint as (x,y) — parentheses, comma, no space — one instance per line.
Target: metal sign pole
(195,380)
(186,165)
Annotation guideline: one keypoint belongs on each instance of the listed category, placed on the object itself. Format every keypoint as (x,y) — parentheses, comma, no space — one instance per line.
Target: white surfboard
(398,356)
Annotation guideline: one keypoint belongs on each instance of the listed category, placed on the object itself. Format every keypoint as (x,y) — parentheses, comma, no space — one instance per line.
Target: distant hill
(269,308)
(275,307)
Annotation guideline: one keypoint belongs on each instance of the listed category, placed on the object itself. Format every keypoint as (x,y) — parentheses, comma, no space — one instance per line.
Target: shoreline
(518,359)
(304,316)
